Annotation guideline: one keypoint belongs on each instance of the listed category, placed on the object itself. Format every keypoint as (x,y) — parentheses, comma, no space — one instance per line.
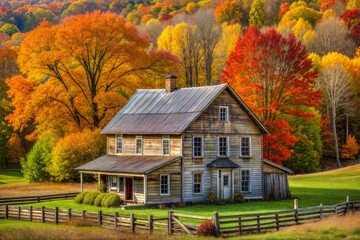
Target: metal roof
(126,164)
(153,111)
(223,163)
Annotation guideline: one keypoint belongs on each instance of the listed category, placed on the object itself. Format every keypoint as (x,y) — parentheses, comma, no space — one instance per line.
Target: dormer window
(118,145)
(223,114)
(138,145)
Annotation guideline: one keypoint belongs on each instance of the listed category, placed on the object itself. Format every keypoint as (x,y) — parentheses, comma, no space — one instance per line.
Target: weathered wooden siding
(138,190)
(276,186)
(152,145)
(153,184)
(209,127)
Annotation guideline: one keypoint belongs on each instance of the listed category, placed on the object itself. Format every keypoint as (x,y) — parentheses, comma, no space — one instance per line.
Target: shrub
(239,197)
(79,199)
(90,198)
(206,228)
(212,196)
(112,200)
(99,198)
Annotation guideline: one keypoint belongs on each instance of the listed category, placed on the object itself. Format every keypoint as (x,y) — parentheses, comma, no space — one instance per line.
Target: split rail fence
(32,199)
(176,222)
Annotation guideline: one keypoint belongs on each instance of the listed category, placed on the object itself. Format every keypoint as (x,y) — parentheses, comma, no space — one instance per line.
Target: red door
(129,188)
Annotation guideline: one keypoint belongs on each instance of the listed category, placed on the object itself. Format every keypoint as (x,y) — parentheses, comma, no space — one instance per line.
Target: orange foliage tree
(79,73)
(350,149)
(274,76)
(228,11)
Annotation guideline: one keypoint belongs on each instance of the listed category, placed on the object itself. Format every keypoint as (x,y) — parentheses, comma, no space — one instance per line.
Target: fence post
(56,215)
(19,212)
(83,214)
(132,217)
(239,221)
(38,198)
(100,218)
(258,222)
(277,221)
(321,211)
(151,224)
(216,222)
(6,211)
(69,213)
(30,213)
(347,205)
(42,214)
(296,207)
(170,222)
(116,219)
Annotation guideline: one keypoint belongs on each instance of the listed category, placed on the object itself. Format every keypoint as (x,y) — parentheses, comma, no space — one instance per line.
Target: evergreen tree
(257,13)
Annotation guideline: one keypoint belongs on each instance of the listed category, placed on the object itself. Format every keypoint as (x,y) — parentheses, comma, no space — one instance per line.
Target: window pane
(197,183)
(121,184)
(118,144)
(226,180)
(166,146)
(245,146)
(164,184)
(197,150)
(245,180)
(223,114)
(223,146)
(139,146)
(113,181)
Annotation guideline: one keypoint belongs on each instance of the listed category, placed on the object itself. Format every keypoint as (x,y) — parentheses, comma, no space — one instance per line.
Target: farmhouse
(178,145)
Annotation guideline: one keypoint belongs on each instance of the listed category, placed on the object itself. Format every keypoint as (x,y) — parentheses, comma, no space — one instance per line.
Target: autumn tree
(350,149)
(352,19)
(274,76)
(257,13)
(228,11)
(78,71)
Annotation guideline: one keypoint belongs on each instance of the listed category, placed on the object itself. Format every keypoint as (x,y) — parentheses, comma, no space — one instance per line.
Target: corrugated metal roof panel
(127,164)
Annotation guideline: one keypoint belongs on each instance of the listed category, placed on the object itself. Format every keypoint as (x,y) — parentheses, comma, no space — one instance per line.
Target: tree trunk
(335,137)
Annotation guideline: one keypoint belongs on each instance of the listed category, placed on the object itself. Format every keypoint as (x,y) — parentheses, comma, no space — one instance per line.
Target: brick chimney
(170,83)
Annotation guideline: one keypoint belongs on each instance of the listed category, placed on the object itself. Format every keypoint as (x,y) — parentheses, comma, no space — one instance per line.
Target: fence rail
(239,224)
(32,199)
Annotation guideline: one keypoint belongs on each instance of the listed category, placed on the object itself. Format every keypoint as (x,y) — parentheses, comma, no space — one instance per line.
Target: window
(197,146)
(223,114)
(164,184)
(245,180)
(118,144)
(166,145)
(226,181)
(197,183)
(138,145)
(121,184)
(113,183)
(223,146)
(245,147)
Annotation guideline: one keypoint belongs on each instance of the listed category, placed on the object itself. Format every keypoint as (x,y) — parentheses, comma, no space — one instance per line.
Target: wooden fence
(177,222)
(32,199)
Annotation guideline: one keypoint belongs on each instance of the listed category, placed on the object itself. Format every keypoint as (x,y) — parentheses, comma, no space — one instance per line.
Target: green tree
(257,14)
(9,29)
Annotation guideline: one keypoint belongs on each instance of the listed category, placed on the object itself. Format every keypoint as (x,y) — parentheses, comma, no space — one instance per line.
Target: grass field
(11,176)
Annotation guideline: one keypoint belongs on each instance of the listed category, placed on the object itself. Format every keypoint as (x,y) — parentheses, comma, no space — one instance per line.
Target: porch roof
(127,164)
(223,163)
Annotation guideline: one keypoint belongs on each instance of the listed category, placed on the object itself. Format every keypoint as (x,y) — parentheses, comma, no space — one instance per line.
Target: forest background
(66,68)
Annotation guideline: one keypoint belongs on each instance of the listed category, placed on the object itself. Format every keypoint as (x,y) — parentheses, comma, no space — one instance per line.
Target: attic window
(138,145)
(223,114)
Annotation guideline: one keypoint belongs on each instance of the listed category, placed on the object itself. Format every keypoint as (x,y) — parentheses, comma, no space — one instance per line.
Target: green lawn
(11,176)
(326,188)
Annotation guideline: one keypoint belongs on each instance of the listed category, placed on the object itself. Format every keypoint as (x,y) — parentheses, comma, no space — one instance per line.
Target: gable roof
(278,166)
(156,112)
(127,164)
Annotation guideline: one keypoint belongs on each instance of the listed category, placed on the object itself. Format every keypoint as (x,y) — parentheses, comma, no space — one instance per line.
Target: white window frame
(250,147)
(202,147)
(241,180)
(116,144)
(201,183)
(227,146)
(168,185)
(116,188)
(142,145)
(165,137)
(226,115)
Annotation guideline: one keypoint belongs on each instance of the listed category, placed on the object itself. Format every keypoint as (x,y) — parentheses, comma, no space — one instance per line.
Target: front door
(225,185)
(129,189)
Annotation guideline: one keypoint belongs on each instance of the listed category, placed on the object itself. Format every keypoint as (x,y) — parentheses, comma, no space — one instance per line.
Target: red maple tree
(275,77)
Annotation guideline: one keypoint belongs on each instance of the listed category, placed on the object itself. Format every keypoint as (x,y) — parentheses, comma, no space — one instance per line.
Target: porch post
(232,185)
(99,181)
(81,182)
(145,189)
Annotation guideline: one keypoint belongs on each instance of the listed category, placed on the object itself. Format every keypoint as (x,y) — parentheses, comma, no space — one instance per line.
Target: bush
(239,198)
(212,196)
(90,198)
(99,198)
(206,228)
(79,199)
(111,200)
